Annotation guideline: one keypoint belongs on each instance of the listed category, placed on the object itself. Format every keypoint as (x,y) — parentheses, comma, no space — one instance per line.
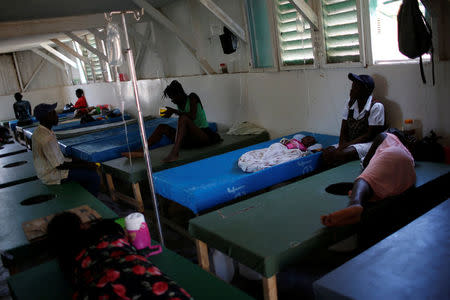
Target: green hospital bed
(412,263)
(13,214)
(201,285)
(11,149)
(15,169)
(134,173)
(281,227)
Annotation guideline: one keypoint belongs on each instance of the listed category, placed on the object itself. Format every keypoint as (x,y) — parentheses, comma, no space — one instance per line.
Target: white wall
(286,102)
(221,95)
(166,56)
(35,97)
(313,99)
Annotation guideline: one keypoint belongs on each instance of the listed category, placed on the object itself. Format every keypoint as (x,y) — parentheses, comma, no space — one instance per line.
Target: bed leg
(138,197)
(270,288)
(111,189)
(202,255)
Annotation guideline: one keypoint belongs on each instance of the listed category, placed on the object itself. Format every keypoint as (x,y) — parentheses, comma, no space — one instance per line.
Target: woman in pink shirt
(389,171)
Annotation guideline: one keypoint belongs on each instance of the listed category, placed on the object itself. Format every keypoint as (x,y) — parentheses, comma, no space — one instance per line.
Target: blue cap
(40,111)
(366,80)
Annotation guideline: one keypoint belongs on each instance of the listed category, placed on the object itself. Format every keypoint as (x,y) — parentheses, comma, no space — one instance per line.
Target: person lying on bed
(193,129)
(277,153)
(50,164)
(362,120)
(388,171)
(100,263)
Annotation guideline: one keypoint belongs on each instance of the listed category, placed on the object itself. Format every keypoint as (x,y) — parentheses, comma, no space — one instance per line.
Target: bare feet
(136,154)
(346,216)
(171,157)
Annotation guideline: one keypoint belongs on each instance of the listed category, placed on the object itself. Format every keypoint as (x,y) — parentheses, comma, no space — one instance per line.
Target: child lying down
(283,151)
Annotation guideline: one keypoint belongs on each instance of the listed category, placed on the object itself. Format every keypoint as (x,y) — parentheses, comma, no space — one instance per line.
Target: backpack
(414,33)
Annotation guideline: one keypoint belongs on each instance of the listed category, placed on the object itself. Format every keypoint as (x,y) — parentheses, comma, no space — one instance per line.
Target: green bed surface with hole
(11,149)
(18,174)
(412,263)
(272,230)
(136,171)
(200,284)
(13,214)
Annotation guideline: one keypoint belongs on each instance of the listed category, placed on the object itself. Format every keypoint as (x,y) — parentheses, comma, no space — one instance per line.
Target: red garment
(81,105)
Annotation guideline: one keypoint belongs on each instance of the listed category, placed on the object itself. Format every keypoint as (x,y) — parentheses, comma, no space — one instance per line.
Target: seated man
(362,120)
(389,171)
(49,162)
(22,110)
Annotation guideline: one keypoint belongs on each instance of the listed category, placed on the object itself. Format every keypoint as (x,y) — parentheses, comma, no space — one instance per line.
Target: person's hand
(329,155)
(168,113)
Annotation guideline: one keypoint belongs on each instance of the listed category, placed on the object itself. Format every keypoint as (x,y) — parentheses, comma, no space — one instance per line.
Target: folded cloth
(244,128)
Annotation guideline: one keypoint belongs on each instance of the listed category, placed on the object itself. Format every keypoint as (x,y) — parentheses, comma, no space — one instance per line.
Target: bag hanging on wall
(414,33)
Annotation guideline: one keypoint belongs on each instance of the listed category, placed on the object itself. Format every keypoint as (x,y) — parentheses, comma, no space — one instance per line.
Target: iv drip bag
(113,45)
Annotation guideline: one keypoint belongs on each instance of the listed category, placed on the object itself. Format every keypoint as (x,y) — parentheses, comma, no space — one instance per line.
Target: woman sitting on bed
(193,128)
(100,263)
(388,171)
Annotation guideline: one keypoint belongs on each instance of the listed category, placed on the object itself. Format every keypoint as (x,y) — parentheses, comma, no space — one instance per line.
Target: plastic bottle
(224,68)
(139,234)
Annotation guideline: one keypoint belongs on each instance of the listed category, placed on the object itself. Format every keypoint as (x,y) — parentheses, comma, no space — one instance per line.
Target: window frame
(277,33)
(272,29)
(318,40)
(362,39)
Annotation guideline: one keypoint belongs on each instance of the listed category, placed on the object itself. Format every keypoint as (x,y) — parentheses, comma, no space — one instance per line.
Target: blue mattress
(215,180)
(13,123)
(113,142)
(28,132)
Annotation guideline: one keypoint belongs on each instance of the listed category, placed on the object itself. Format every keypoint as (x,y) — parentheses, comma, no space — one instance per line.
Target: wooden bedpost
(137,196)
(270,288)
(111,188)
(202,255)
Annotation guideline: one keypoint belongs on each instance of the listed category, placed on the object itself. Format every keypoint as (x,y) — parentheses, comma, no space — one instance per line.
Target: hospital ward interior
(224,149)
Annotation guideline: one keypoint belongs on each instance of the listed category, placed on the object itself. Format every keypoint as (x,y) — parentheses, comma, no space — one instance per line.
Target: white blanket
(260,159)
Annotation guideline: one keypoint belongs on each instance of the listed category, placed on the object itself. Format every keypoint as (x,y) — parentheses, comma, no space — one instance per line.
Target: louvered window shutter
(294,36)
(341,31)
(96,69)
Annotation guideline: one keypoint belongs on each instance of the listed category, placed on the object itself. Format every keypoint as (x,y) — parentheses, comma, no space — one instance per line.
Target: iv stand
(132,70)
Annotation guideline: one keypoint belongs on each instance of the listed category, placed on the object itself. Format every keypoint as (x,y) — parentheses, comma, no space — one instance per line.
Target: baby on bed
(283,151)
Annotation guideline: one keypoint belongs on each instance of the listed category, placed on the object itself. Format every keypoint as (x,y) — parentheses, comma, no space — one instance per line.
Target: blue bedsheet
(215,180)
(110,144)
(28,132)
(13,123)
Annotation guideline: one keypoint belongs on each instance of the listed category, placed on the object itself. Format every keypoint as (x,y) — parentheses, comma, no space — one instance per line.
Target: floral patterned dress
(114,269)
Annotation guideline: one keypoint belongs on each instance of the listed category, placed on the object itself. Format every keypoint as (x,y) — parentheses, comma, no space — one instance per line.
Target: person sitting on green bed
(388,171)
(100,262)
(193,129)
(50,164)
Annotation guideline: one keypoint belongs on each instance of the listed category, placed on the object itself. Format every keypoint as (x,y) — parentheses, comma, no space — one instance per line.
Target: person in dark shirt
(22,110)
